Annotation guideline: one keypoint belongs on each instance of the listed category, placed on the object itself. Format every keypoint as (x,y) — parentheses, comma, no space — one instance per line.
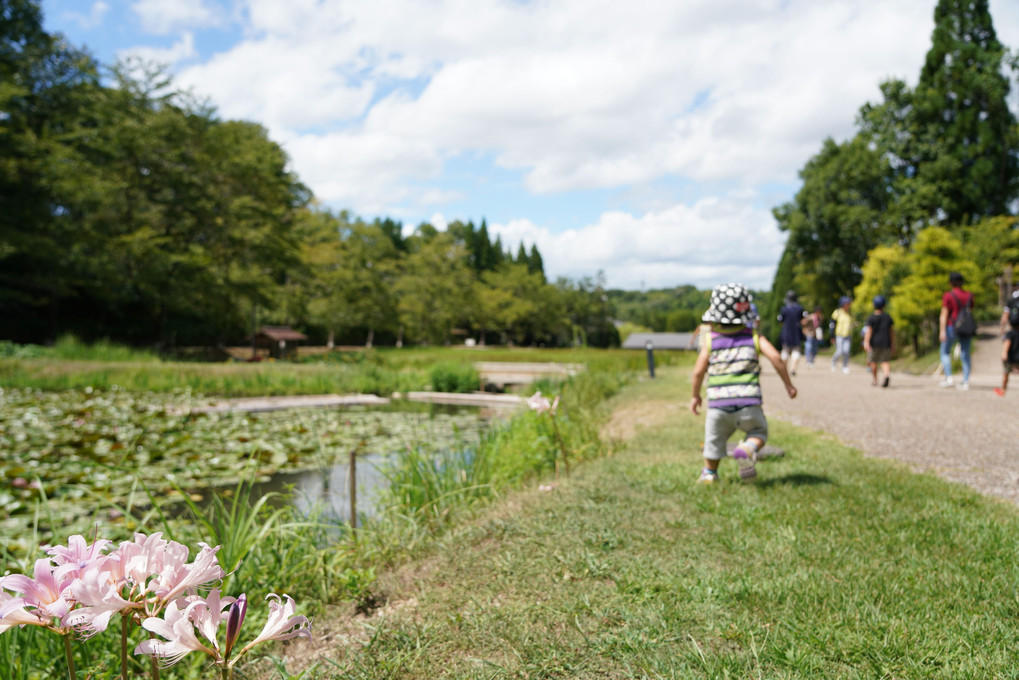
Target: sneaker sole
(747,470)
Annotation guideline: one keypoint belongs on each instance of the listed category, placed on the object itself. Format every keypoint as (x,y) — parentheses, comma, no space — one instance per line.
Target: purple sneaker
(745,458)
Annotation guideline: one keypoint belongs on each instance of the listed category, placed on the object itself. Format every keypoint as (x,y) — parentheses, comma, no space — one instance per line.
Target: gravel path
(965,436)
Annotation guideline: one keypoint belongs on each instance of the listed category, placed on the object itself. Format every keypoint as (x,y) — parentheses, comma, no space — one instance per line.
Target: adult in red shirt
(951,303)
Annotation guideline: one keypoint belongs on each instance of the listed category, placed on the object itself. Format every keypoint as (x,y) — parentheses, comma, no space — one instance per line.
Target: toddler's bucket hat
(730,304)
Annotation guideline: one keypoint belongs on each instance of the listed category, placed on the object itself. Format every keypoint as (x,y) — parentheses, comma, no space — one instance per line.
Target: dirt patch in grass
(628,418)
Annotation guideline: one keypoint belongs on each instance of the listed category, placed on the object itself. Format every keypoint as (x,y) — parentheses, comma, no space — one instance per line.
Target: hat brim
(711,316)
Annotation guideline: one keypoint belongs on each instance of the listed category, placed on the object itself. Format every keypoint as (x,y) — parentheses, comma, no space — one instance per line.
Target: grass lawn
(830,566)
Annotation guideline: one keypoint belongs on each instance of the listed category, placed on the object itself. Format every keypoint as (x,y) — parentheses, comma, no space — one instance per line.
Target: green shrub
(453,376)
(10,350)
(69,347)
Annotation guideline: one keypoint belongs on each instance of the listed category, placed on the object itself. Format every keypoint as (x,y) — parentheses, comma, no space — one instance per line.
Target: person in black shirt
(791,315)
(1009,352)
(879,341)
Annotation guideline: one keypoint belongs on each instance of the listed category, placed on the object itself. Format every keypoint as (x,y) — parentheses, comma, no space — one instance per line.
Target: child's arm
(1005,346)
(699,369)
(768,350)
(867,331)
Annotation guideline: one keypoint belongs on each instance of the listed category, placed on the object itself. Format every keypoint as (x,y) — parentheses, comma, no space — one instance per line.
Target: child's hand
(695,403)
(791,391)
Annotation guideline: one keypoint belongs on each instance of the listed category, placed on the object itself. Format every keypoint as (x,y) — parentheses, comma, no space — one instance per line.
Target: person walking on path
(1011,310)
(879,341)
(813,330)
(920,424)
(951,302)
(791,315)
(730,358)
(1009,354)
(842,322)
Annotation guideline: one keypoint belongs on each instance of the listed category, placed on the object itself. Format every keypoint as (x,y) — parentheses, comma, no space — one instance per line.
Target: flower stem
(153,664)
(72,674)
(562,444)
(124,625)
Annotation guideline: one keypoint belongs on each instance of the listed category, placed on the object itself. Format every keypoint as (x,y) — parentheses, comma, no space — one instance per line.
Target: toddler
(730,358)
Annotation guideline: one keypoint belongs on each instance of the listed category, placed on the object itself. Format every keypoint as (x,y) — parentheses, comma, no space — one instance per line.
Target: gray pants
(719,426)
(843,345)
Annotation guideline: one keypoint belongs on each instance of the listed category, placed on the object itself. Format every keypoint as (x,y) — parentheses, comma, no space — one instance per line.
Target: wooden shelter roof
(281,333)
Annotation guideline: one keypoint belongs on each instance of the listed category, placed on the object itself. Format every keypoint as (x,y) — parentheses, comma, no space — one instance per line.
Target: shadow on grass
(797,479)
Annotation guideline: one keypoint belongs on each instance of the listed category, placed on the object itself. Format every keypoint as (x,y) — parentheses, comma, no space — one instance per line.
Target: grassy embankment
(832,565)
(74,365)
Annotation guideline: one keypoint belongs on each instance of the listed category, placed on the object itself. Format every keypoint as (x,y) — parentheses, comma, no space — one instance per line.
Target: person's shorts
(1010,366)
(877,355)
(719,425)
(786,351)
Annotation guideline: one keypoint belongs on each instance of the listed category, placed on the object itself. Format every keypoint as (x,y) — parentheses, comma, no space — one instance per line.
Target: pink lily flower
(179,633)
(13,613)
(136,562)
(542,404)
(98,593)
(78,555)
(178,576)
(207,615)
(44,593)
(178,627)
(282,624)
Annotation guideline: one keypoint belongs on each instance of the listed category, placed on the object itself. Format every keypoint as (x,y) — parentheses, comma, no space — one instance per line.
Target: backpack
(1013,313)
(965,324)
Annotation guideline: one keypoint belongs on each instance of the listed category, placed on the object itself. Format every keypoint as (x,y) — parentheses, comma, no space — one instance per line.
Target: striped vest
(734,372)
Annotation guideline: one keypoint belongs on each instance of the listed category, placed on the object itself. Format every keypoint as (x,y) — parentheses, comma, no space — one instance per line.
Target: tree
(588,311)
(433,288)
(965,135)
(510,293)
(535,264)
(935,253)
(834,220)
(884,270)
(992,245)
(393,230)
(44,84)
(942,154)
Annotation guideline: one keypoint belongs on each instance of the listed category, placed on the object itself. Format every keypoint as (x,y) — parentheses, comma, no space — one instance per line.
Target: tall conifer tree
(964,137)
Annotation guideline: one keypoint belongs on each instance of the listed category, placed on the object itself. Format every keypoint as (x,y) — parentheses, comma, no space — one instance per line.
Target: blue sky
(644,139)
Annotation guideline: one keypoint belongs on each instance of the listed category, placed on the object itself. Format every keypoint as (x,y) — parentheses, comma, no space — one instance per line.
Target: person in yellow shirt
(843,335)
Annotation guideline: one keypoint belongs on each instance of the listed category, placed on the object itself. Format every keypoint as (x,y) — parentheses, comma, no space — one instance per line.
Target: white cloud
(712,241)
(372,98)
(287,86)
(366,171)
(573,94)
(162,17)
(91,20)
(181,50)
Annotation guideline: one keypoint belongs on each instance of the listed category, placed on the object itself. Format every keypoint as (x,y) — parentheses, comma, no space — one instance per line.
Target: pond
(326,489)
(80,457)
